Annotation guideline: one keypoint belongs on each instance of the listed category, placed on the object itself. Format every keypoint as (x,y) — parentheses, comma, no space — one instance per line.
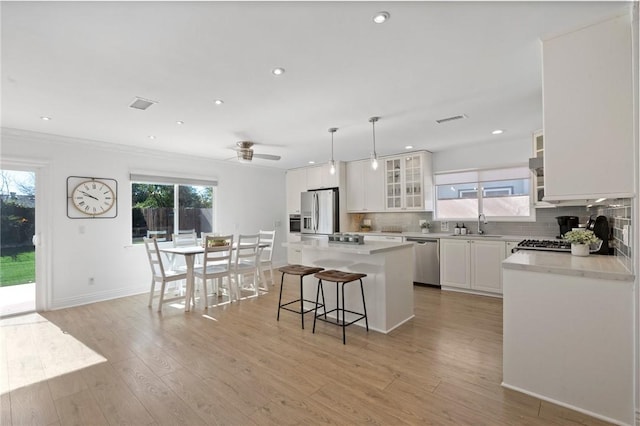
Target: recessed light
(497,132)
(180,122)
(45,118)
(381,17)
(151,137)
(312,162)
(218,102)
(408,147)
(278,71)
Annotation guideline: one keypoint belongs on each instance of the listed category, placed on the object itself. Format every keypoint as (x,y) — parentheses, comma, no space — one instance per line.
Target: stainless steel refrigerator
(319,211)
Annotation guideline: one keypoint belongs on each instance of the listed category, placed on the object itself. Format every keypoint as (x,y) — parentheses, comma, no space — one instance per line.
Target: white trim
(100,296)
(563,404)
(43,225)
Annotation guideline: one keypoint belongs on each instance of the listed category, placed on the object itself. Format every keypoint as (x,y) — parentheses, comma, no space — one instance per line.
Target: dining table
(189,253)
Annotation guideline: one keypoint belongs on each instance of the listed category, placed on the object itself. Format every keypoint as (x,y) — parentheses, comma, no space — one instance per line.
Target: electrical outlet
(444,226)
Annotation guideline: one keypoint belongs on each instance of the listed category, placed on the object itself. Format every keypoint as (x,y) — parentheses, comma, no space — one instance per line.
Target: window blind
(171,180)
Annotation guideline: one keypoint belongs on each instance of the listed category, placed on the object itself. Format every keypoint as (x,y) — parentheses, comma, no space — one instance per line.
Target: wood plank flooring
(236,365)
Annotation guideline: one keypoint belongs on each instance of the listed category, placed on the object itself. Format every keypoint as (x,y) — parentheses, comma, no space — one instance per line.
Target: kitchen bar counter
(568,331)
(388,286)
(592,266)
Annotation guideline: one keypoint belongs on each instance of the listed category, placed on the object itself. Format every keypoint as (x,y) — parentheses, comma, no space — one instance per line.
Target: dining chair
(160,275)
(266,256)
(158,235)
(183,240)
(246,265)
(216,266)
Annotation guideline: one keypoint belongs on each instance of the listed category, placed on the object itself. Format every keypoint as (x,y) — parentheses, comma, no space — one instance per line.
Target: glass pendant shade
(374,155)
(332,163)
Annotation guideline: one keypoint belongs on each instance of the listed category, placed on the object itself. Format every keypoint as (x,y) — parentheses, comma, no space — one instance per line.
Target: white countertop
(366,248)
(592,266)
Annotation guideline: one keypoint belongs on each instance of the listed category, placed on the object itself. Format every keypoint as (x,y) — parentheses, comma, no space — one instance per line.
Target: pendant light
(374,155)
(332,163)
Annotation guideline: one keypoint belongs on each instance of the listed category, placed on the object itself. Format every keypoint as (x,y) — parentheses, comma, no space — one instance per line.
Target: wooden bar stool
(339,277)
(301,271)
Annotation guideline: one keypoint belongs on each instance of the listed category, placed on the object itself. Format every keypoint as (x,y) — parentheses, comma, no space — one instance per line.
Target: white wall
(249,198)
(505,152)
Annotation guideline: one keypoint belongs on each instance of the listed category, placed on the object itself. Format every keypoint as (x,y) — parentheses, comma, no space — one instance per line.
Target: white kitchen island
(568,331)
(388,286)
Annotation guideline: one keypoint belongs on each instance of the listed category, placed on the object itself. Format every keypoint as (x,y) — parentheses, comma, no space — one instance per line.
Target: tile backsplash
(619,214)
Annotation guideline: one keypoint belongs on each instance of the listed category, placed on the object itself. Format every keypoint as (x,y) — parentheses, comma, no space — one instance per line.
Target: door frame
(43,224)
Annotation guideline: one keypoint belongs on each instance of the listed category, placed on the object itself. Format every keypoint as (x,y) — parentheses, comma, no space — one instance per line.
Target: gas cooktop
(544,245)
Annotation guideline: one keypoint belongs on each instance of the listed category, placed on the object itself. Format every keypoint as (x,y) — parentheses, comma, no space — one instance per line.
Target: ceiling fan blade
(266,156)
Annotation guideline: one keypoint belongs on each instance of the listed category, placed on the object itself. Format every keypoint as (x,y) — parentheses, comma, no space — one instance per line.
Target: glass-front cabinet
(408,184)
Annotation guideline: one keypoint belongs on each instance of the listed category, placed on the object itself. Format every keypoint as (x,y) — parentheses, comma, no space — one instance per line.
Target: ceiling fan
(246,154)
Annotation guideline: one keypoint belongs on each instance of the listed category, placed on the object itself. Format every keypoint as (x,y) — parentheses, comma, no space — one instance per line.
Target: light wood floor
(238,366)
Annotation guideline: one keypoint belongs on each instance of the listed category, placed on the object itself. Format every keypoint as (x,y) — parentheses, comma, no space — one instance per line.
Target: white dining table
(189,254)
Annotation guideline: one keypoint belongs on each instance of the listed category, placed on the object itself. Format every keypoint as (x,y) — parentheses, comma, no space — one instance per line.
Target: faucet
(484,220)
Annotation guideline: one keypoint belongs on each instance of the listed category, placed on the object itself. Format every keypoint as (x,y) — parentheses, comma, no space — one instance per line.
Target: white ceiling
(82,63)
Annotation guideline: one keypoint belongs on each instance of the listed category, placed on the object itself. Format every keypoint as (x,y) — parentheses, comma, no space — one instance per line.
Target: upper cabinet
(408,182)
(364,187)
(314,177)
(318,177)
(296,181)
(588,112)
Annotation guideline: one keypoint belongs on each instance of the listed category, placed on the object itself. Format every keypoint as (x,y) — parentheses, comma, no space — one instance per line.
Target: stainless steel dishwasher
(426,269)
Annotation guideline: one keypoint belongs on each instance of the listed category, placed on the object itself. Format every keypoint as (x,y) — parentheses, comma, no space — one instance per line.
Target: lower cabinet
(294,255)
(472,264)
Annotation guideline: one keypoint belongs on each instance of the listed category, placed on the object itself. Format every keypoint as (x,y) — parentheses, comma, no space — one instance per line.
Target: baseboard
(100,296)
(569,406)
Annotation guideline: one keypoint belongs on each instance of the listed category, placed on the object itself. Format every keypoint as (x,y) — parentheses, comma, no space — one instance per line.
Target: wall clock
(91,197)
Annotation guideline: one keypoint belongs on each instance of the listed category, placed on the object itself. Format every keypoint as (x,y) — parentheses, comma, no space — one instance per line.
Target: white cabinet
(408,182)
(472,264)
(306,178)
(296,182)
(294,254)
(364,187)
(319,177)
(588,112)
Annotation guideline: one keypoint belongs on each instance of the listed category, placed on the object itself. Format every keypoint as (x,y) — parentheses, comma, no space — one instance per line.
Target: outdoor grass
(19,268)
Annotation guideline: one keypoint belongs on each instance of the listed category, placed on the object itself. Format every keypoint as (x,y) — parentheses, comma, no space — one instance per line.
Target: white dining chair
(158,235)
(246,265)
(161,275)
(216,266)
(183,240)
(266,256)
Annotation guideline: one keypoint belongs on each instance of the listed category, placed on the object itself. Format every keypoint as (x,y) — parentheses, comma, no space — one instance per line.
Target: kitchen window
(501,194)
(162,206)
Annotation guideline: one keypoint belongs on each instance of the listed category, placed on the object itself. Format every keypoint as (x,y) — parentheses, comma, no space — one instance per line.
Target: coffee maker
(600,227)
(567,223)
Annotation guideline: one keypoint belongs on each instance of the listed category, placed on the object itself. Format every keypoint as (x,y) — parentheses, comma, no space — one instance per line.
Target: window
(163,206)
(505,194)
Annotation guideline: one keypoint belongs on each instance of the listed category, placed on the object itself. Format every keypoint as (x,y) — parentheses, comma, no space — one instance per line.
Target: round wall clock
(91,197)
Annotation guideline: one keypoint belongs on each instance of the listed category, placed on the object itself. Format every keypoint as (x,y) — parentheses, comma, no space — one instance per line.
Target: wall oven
(294,223)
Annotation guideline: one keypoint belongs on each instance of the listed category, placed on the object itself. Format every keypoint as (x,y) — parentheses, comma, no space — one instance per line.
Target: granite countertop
(373,247)
(449,235)
(593,266)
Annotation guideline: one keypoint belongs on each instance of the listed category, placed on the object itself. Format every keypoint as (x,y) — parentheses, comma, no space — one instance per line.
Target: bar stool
(339,277)
(301,271)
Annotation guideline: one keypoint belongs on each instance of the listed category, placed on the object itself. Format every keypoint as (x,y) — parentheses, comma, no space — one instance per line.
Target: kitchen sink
(477,236)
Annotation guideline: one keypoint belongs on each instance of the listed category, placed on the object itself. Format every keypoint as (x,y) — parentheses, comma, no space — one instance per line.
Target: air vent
(142,104)
(455,117)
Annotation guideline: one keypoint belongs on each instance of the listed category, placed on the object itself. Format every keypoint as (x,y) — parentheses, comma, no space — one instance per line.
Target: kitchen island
(568,331)
(388,286)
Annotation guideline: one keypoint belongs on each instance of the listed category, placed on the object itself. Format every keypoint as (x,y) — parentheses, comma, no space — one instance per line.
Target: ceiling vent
(455,117)
(141,103)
